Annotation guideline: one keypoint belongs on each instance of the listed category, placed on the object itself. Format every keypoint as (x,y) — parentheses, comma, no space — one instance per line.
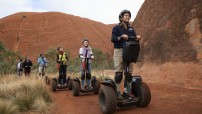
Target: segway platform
(85,90)
(127,102)
(76,87)
(61,87)
(54,84)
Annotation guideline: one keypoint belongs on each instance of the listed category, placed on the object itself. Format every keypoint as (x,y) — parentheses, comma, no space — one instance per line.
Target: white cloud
(9,7)
(105,11)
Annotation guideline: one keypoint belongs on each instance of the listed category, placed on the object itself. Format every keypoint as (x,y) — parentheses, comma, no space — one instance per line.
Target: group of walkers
(27,65)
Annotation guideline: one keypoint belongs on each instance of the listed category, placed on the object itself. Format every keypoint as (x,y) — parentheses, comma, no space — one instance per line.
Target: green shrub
(102,60)
(7,60)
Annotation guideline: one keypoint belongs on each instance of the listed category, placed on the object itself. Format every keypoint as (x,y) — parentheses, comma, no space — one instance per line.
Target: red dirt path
(175,87)
(165,100)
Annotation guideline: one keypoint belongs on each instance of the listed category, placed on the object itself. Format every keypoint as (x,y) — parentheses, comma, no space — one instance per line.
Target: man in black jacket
(27,66)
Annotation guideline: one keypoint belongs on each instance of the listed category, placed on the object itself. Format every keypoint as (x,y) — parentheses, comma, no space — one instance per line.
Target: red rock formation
(171,30)
(35,33)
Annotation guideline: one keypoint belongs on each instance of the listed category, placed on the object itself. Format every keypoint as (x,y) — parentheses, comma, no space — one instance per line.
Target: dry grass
(7,107)
(25,93)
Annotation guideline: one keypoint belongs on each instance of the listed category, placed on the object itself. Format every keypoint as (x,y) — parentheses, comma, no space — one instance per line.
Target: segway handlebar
(132,38)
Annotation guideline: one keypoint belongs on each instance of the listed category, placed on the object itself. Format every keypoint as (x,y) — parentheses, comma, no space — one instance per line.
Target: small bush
(40,105)
(7,60)
(7,107)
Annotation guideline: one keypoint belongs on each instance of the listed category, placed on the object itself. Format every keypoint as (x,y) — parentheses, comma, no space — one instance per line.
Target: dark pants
(27,71)
(19,72)
(62,74)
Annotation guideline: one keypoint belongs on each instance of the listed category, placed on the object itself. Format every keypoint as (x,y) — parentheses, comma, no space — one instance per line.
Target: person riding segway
(126,51)
(62,82)
(86,55)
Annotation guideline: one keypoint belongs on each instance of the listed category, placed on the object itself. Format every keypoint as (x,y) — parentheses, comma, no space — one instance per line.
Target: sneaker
(89,87)
(65,84)
(119,96)
(126,95)
(59,85)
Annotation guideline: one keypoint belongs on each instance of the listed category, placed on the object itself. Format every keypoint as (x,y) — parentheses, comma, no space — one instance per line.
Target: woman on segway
(86,54)
(120,35)
(62,66)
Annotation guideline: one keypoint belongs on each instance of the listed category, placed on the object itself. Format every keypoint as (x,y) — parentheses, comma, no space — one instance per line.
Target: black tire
(107,99)
(145,95)
(96,88)
(47,80)
(75,88)
(69,86)
(53,85)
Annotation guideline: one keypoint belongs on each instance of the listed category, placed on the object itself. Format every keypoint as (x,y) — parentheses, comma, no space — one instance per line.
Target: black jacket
(119,30)
(27,64)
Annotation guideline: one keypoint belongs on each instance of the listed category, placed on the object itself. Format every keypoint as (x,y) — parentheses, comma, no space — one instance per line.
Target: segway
(55,86)
(46,80)
(140,91)
(95,84)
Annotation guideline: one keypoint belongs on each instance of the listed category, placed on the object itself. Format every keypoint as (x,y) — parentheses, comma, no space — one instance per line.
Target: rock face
(171,30)
(35,33)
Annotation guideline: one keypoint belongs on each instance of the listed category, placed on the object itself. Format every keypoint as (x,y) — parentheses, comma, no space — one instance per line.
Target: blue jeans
(83,74)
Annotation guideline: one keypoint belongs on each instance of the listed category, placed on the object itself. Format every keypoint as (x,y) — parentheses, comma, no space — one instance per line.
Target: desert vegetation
(21,94)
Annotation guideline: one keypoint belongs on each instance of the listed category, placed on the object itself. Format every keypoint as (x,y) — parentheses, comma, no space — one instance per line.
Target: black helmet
(122,14)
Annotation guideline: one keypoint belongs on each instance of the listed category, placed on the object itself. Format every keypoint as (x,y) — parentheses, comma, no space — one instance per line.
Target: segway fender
(109,82)
(93,80)
(135,85)
(55,79)
(77,80)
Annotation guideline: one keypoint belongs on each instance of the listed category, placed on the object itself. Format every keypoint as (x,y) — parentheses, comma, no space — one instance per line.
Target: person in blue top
(120,35)
(42,62)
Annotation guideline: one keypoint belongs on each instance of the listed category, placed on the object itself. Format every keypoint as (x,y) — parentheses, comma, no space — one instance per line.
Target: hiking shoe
(126,95)
(119,96)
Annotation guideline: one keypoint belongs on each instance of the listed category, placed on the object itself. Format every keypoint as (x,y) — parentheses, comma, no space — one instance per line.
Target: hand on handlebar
(124,36)
(138,37)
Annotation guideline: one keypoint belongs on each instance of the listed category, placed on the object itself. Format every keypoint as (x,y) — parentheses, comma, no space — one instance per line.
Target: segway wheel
(47,80)
(53,85)
(75,88)
(96,88)
(107,99)
(69,86)
(145,95)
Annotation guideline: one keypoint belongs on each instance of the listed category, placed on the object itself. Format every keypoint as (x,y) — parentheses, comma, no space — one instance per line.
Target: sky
(104,11)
